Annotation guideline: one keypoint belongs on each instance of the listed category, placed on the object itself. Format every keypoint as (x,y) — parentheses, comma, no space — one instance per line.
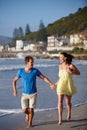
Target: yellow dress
(65,84)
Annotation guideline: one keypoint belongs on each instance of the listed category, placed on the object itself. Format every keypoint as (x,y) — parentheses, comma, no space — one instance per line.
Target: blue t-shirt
(28,80)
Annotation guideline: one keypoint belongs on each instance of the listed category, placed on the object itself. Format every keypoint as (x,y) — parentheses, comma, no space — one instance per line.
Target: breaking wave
(6,112)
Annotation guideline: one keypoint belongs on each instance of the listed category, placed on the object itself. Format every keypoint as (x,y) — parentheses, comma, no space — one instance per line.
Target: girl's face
(62,58)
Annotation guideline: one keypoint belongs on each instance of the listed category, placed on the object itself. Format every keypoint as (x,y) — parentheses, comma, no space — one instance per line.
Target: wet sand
(47,120)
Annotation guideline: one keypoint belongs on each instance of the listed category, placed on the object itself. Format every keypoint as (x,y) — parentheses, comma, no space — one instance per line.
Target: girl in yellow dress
(65,85)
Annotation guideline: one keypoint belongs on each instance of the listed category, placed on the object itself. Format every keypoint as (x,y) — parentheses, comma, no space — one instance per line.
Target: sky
(19,13)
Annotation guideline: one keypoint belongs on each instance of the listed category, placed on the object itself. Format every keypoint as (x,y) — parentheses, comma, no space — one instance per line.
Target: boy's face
(30,64)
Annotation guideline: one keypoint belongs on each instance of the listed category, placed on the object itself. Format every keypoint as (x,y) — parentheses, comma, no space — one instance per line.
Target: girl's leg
(68,103)
(60,108)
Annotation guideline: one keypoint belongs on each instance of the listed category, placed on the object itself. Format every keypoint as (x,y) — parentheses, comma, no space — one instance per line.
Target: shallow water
(47,98)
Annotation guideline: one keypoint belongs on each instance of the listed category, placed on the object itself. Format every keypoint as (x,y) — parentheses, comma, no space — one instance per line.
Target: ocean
(47,98)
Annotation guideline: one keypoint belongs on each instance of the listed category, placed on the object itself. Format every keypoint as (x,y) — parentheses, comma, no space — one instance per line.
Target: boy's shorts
(28,100)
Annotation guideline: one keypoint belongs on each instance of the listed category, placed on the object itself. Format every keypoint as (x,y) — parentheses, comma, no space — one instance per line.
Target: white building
(51,41)
(19,45)
(64,48)
(54,43)
(75,38)
(1,47)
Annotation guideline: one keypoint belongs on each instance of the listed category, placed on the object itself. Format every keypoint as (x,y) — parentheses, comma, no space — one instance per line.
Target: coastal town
(65,34)
(54,44)
(43,64)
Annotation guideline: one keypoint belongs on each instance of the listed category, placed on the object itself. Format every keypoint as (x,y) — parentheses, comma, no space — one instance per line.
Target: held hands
(53,86)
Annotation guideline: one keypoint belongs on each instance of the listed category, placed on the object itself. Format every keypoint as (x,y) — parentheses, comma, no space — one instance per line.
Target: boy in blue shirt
(29,91)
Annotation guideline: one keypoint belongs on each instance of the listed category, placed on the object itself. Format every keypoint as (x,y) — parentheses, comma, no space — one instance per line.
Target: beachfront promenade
(8,54)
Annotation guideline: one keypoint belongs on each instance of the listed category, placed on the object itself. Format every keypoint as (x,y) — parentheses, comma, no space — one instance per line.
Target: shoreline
(9,54)
(47,120)
(6,112)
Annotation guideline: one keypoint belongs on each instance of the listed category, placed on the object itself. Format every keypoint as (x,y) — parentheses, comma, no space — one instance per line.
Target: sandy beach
(46,120)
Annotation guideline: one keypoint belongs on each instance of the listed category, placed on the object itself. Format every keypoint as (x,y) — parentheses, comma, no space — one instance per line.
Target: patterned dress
(65,84)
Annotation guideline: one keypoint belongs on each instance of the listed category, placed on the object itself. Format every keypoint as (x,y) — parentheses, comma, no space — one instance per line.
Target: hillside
(73,23)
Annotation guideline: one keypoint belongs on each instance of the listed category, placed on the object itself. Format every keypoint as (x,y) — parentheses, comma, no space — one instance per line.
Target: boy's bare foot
(27,118)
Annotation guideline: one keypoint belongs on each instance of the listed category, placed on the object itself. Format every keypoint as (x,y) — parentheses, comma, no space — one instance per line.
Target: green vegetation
(74,23)
(71,24)
(78,50)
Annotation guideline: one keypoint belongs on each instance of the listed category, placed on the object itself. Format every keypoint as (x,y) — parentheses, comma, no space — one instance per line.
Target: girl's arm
(74,69)
(56,83)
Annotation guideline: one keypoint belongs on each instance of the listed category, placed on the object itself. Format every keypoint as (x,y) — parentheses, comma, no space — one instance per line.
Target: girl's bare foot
(60,123)
(29,125)
(68,117)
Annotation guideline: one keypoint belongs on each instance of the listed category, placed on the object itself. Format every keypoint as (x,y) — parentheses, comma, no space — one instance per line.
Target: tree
(17,33)
(27,29)
(41,35)
(20,31)
(41,26)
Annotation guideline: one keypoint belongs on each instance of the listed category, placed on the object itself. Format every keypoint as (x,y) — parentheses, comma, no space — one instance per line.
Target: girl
(65,85)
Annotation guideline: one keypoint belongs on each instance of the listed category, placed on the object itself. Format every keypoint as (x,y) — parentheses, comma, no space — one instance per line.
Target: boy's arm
(14,86)
(52,85)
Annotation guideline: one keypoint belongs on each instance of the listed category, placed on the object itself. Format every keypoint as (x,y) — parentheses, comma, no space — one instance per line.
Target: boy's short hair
(28,58)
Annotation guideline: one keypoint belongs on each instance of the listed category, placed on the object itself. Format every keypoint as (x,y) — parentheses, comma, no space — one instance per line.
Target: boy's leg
(30,115)
(32,103)
(25,106)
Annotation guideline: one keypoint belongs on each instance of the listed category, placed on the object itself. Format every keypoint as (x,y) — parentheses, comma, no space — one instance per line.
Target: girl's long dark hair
(68,57)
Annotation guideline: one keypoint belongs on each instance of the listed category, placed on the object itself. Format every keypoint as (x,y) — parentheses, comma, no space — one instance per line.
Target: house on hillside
(53,43)
(75,38)
(78,38)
